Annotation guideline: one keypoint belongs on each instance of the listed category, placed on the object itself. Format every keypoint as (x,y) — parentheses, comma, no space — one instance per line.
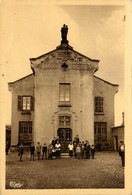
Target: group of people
(54,149)
(81,149)
(47,152)
(77,148)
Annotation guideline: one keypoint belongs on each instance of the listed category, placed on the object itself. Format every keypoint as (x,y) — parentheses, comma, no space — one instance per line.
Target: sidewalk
(105,171)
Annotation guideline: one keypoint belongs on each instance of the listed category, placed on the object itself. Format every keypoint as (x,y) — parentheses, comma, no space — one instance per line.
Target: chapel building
(62,97)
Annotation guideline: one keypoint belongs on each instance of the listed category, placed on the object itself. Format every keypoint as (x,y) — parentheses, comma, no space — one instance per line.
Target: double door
(65,137)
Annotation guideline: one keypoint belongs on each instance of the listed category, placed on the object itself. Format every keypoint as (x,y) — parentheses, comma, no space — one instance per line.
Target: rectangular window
(25,131)
(64,89)
(100,131)
(25,103)
(98,101)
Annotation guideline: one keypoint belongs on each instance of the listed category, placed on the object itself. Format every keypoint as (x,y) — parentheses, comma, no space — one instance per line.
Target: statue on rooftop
(64,31)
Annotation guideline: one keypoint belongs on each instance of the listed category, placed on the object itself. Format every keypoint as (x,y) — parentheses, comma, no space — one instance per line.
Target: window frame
(65,123)
(25,130)
(98,104)
(64,95)
(20,103)
(100,131)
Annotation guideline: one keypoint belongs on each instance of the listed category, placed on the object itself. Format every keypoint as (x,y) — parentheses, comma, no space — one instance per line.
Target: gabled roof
(105,81)
(60,47)
(20,79)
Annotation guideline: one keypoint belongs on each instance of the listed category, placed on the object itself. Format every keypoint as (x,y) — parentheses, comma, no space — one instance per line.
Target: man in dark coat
(77,139)
(38,148)
(32,150)
(74,147)
(122,152)
(54,141)
(87,148)
(20,151)
(44,150)
(7,147)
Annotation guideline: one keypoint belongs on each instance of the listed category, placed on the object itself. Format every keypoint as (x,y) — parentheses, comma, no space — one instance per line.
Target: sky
(30,29)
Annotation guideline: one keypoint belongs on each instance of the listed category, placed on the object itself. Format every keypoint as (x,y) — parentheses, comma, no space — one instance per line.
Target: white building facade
(62,98)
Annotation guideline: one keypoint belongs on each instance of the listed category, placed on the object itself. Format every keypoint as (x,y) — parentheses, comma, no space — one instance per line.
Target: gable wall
(107,91)
(21,87)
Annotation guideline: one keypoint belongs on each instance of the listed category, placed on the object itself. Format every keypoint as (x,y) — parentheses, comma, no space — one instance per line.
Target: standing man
(32,149)
(77,139)
(74,147)
(87,147)
(122,152)
(7,147)
(82,149)
(38,150)
(54,141)
(20,151)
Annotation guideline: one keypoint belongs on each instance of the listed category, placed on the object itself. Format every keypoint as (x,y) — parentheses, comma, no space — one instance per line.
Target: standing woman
(20,151)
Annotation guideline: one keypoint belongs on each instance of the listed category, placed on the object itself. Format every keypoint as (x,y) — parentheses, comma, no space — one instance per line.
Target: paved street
(105,171)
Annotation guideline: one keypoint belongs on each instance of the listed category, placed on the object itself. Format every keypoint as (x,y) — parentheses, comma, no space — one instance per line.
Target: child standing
(92,151)
(70,147)
(50,148)
(38,150)
(58,149)
(44,150)
(78,151)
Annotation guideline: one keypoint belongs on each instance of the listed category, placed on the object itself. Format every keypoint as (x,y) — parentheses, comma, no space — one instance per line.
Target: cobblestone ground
(105,171)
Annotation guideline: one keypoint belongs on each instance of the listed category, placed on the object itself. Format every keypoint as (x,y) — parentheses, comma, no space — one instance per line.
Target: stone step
(64,154)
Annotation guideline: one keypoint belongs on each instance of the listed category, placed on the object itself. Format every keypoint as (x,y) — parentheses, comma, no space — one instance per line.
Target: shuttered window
(25,103)
(98,103)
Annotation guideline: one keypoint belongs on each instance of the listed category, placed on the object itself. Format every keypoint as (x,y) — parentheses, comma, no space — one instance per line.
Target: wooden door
(65,137)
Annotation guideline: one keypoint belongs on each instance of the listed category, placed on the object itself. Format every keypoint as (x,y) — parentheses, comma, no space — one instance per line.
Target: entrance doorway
(65,137)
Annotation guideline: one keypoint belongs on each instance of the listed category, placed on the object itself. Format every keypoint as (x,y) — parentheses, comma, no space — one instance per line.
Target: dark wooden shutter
(19,103)
(96,104)
(101,104)
(32,103)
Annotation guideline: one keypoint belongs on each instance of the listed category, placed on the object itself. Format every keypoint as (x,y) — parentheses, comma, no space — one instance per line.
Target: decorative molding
(55,59)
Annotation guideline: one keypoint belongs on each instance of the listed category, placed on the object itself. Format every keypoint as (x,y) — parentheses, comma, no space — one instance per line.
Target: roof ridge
(105,81)
(20,78)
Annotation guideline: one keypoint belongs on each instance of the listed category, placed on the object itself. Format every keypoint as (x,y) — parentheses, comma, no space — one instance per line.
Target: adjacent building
(62,97)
